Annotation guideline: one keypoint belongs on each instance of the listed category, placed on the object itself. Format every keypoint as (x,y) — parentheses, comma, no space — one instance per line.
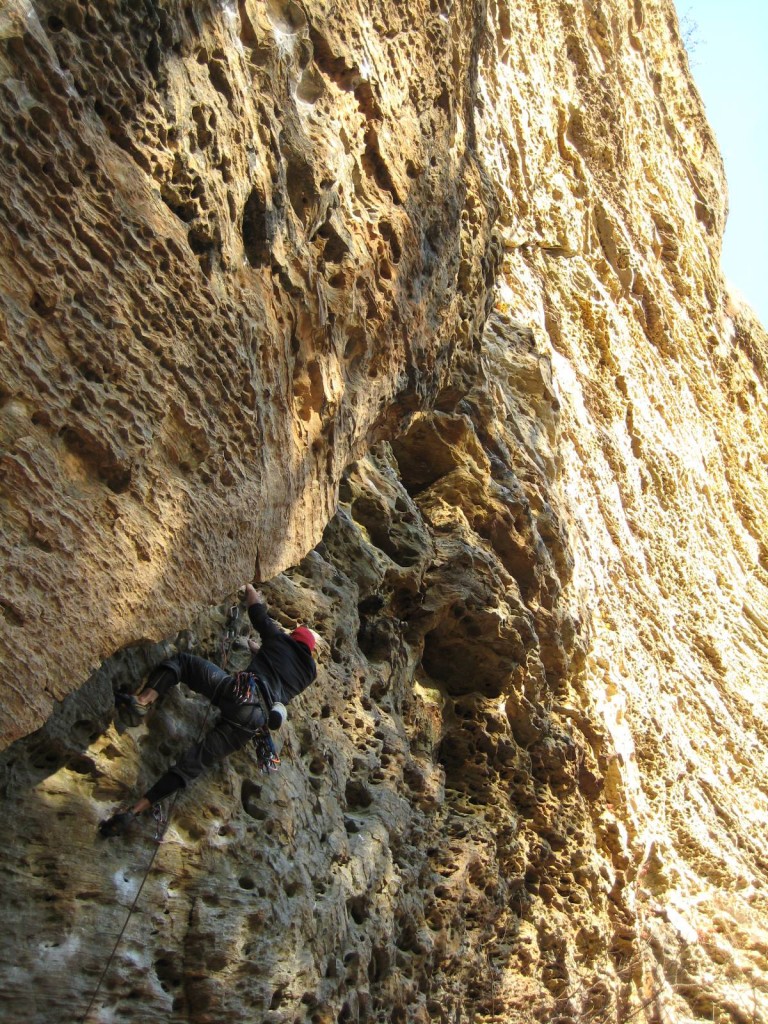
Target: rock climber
(281,667)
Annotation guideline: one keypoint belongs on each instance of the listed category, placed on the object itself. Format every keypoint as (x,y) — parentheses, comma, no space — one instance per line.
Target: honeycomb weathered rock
(416,312)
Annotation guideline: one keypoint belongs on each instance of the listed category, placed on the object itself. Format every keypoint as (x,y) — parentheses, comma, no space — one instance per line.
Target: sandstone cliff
(414,313)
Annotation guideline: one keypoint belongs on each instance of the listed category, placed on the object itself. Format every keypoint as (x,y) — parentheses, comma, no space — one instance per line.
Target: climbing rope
(130,912)
(161,824)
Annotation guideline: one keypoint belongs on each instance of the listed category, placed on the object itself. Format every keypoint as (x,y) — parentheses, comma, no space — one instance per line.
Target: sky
(728,52)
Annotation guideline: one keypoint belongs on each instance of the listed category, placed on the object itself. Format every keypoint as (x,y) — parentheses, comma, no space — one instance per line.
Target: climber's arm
(257,613)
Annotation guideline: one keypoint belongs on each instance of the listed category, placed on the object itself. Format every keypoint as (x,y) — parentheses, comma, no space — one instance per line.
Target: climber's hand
(252,595)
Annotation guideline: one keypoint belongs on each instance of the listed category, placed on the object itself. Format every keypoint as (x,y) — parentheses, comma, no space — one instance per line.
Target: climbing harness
(247,690)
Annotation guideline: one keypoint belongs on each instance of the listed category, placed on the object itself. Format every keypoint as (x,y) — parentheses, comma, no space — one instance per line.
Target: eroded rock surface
(231,242)
(414,312)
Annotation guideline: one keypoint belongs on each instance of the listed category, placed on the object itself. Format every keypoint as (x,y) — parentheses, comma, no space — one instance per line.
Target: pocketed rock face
(432,292)
(230,249)
(432,832)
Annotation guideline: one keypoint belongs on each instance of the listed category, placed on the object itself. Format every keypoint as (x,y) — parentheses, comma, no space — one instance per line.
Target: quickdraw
(266,752)
(161,822)
(229,634)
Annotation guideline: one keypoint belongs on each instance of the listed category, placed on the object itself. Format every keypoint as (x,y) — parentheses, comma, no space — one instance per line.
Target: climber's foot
(130,708)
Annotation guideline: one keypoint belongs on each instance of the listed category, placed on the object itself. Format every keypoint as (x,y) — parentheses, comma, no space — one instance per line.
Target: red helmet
(304,636)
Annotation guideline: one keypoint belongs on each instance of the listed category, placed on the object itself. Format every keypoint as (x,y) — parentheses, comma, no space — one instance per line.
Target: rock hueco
(412,313)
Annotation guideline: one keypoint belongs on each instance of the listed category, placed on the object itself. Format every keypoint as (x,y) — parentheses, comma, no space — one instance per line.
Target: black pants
(235,727)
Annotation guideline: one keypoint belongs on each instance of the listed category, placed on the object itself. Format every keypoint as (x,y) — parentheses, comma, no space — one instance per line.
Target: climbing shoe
(129,708)
(117,825)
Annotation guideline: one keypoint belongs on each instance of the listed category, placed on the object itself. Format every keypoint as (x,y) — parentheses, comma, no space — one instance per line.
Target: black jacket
(286,666)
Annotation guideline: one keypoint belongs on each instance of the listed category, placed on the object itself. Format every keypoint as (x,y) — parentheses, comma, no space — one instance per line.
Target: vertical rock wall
(435,292)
